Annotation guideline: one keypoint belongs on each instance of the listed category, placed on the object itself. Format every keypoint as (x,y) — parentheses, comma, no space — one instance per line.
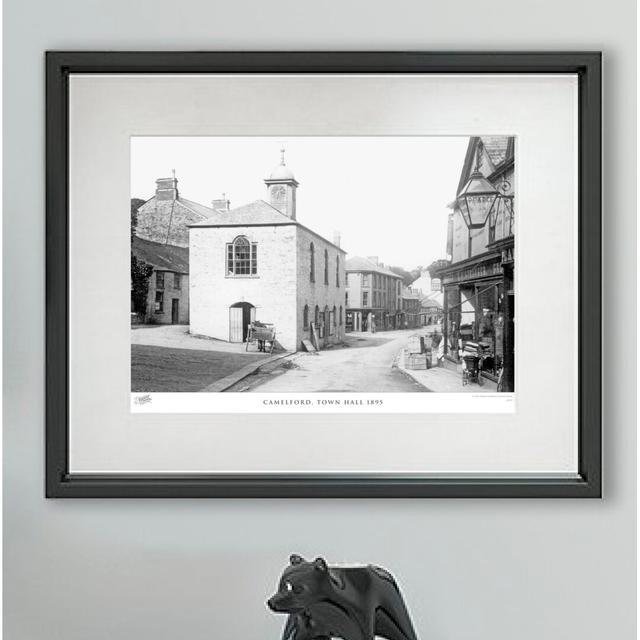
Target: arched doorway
(240,315)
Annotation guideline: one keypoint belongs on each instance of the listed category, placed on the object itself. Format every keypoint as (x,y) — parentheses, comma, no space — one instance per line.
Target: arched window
(326,267)
(337,271)
(242,257)
(312,263)
(340,317)
(305,317)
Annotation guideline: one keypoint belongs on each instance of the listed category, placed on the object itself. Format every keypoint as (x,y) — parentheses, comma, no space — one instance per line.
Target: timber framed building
(478,282)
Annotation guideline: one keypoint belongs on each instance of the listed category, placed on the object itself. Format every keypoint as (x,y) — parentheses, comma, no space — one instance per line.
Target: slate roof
(196,207)
(164,257)
(496,147)
(499,149)
(364,264)
(432,299)
(256,212)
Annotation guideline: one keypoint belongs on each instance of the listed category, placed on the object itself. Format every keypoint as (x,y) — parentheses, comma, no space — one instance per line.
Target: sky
(387,196)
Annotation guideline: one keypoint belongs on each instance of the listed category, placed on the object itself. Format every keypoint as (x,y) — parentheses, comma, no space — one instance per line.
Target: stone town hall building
(258,262)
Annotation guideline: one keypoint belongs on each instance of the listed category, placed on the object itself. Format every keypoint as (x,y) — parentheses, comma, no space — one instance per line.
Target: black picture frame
(60,483)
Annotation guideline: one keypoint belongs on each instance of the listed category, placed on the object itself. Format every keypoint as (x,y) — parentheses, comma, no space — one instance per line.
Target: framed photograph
(323,274)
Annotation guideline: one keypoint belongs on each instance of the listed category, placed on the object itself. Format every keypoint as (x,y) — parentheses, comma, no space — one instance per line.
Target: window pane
(242,257)
(230,259)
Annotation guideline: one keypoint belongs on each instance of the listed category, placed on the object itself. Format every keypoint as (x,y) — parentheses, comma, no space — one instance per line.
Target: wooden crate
(416,361)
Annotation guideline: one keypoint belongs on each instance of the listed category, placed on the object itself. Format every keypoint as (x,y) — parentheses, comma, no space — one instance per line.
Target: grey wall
(494,570)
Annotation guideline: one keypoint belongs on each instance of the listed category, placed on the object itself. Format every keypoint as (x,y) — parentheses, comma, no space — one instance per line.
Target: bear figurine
(353,603)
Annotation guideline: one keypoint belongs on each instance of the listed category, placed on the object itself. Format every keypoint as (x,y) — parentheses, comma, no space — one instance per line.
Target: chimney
(374,259)
(336,238)
(167,188)
(221,204)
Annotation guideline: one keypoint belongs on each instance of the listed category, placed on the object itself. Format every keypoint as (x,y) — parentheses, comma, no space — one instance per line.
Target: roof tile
(164,257)
(364,264)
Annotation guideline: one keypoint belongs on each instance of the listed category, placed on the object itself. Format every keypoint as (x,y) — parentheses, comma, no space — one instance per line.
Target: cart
(471,368)
(263,335)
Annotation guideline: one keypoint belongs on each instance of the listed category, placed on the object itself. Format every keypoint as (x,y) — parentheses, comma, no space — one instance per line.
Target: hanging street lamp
(478,197)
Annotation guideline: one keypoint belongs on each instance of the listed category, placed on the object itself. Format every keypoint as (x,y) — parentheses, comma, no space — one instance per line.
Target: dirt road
(365,366)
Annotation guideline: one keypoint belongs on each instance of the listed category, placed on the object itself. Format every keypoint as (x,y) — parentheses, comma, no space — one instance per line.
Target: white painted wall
(272,291)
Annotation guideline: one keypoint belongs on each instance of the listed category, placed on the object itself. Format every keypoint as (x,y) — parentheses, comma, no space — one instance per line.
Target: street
(363,365)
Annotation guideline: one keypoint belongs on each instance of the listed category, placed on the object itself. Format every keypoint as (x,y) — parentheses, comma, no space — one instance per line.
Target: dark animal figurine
(353,603)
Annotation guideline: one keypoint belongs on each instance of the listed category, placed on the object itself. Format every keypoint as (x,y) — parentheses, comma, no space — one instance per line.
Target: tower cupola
(282,186)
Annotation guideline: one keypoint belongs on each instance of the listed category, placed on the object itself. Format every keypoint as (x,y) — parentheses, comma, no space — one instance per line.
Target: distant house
(431,298)
(411,307)
(426,283)
(168,296)
(431,310)
(166,217)
(374,295)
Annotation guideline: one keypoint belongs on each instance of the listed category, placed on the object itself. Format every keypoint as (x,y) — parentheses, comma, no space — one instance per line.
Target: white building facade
(257,262)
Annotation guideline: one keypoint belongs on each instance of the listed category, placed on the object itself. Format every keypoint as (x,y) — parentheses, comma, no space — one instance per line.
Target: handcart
(471,368)
(263,335)
(473,357)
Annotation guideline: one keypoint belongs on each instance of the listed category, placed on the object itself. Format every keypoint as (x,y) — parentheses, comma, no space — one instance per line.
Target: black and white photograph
(322,264)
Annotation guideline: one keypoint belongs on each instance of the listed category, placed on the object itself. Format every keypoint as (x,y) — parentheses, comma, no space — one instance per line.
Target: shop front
(479,310)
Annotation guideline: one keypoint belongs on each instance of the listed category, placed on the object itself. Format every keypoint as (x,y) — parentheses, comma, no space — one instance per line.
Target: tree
(407,276)
(140,274)
(136,203)
(140,270)
(436,265)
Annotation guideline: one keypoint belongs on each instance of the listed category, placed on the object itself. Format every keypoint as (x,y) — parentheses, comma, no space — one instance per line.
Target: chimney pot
(221,204)
(336,238)
(167,188)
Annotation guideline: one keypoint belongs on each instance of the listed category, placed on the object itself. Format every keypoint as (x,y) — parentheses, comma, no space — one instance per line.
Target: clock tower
(282,187)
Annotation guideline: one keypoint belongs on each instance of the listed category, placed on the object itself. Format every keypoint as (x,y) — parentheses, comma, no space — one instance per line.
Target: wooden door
(175,311)
(235,324)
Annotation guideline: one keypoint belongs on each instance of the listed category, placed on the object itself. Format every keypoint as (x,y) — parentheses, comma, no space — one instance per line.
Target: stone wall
(272,290)
(166,221)
(318,293)
(170,293)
